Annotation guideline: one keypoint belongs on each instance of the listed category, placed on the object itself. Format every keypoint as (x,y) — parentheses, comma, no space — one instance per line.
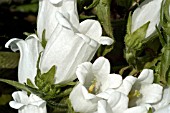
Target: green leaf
(44,41)
(103,14)
(9,60)
(5,98)
(15,84)
(33,7)
(94,4)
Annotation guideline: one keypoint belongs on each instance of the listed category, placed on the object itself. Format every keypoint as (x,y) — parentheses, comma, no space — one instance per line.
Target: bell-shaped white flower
(67,49)
(95,82)
(149,10)
(47,15)
(25,104)
(144,91)
(29,52)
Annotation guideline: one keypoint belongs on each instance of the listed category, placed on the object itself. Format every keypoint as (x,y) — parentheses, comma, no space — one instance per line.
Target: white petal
(84,73)
(137,109)
(104,40)
(146,76)
(55,1)
(103,107)
(105,94)
(79,103)
(165,109)
(91,28)
(149,10)
(101,68)
(36,101)
(127,84)
(62,20)
(165,99)
(118,102)
(15,104)
(87,95)
(20,97)
(112,81)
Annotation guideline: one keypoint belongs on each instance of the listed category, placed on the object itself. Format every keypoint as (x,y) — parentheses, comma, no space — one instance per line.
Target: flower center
(94,87)
(133,94)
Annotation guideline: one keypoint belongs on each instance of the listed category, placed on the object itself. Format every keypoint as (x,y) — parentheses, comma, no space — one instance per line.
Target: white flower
(95,83)
(67,49)
(165,109)
(149,10)
(47,15)
(25,104)
(144,91)
(29,52)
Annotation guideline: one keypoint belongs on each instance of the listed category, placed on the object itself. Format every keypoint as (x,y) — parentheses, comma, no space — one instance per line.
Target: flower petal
(146,76)
(36,101)
(165,99)
(101,68)
(20,97)
(84,73)
(112,81)
(118,102)
(79,103)
(165,109)
(104,40)
(103,107)
(127,84)
(15,104)
(55,1)
(137,109)
(91,28)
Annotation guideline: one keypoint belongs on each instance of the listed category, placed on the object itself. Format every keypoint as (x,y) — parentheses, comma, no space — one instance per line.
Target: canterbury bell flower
(95,83)
(144,91)
(66,48)
(148,11)
(29,52)
(46,19)
(27,104)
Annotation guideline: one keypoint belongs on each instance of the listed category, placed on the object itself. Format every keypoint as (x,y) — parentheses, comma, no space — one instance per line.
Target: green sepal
(161,38)
(16,84)
(94,4)
(150,110)
(134,40)
(129,24)
(49,76)
(29,83)
(44,41)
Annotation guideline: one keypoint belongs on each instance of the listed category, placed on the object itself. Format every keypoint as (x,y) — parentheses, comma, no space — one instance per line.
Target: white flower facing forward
(47,15)
(149,10)
(144,91)
(29,52)
(66,48)
(25,104)
(95,82)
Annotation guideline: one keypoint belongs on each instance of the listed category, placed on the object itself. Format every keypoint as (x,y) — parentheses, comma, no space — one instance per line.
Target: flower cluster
(68,45)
